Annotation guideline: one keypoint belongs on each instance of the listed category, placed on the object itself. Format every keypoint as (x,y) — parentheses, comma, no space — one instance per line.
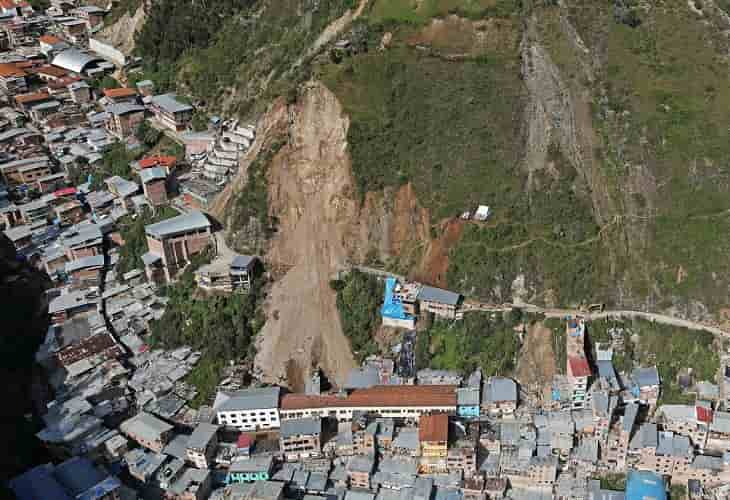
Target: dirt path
(311,195)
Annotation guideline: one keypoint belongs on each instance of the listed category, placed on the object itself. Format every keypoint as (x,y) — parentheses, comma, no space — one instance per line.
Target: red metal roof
(37,96)
(704,414)
(49,39)
(69,191)
(8,69)
(433,428)
(120,92)
(153,161)
(579,366)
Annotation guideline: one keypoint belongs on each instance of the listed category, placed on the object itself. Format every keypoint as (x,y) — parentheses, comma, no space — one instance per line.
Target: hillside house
(300,438)
(172,242)
(248,409)
(121,95)
(123,119)
(147,430)
(433,436)
(13,79)
(170,112)
(500,396)
(442,303)
(202,445)
(154,185)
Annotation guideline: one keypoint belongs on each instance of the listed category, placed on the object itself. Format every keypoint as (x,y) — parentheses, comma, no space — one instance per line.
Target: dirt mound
(537,367)
(311,194)
(435,262)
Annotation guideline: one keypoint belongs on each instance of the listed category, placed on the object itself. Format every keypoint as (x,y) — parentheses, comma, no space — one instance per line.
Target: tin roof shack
(36,211)
(500,396)
(433,435)
(69,304)
(86,271)
(13,79)
(223,275)
(79,92)
(148,431)
(300,438)
(198,194)
(154,185)
(101,203)
(442,303)
(173,242)
(123,189)
(123,119)
(170,112)
(202,444)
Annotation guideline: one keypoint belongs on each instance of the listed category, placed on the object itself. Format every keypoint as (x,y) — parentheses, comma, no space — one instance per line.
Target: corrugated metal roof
(178,225)
(170,104)
(643,485)
(247,399)
(84,262)
(432,294)
(301,427)
(151,174)
(202,435)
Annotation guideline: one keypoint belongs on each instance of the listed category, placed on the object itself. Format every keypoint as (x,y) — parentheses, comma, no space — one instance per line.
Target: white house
(248,409)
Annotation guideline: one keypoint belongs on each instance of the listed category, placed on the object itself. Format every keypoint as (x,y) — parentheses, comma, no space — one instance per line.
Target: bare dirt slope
(121,33)
(311,194)
(537,360)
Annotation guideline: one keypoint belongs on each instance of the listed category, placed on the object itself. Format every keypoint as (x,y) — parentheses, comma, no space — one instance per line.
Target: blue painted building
(643,485)
(392,312)
(250,471)
(468,402)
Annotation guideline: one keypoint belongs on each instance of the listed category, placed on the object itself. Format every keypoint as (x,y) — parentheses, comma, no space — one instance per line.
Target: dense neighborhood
(124,420)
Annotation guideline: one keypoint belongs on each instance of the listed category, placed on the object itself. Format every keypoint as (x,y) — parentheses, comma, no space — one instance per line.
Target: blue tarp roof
(392,307)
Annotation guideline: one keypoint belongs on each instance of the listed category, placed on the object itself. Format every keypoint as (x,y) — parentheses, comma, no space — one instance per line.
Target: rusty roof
(36,96)
(433,428)
(90,346)
(120,92)
(8,69)
(380,396)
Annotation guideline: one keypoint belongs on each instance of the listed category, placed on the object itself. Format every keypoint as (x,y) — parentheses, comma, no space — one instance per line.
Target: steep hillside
(595,130)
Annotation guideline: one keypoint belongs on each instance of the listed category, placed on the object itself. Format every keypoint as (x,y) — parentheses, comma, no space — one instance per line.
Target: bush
(359,297)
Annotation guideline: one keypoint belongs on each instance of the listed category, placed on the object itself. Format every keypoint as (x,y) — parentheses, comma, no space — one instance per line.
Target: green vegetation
(560,348)
(121,7)
(478,341)
(407,11)
(221,326)
(359,297)
(249,208)
(147,134)
(115,162)
(678,492)
(105,82)
(135,240)
(615,482)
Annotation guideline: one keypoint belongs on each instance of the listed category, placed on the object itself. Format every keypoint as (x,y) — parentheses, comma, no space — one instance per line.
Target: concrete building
(248,409)
(468,402)
(442,303)
(500,396)
(147,430)
(254,469)
(170,112)
(202,444)
(359,470)
(173,242)
(154,185)
(300,438)
(433,436)
(578,370)
(13,79)
(392,312)
(124,119)
(387,401)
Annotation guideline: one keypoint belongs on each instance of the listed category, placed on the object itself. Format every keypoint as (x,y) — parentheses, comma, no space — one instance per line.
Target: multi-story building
(171,113)
(433,435)
(25,171)
(500,396)
(393,401)
(173,242)
(359,471)
(13,79)
(442,303)
(154,185)
(300,438)
(248,409)
(255,469)
(147,430)
(467,402)
(84,241)
(124,118)
(647,385)
(578,369)
(202,444)
(692,421)
(86,271)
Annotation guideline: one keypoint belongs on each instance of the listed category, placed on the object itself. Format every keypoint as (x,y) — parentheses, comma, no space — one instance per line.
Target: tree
(147,134)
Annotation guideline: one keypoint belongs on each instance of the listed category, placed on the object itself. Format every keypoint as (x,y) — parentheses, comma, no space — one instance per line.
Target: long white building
(248,409)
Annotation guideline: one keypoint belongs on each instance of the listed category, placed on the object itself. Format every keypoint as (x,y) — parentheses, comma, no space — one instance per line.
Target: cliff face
(25,321)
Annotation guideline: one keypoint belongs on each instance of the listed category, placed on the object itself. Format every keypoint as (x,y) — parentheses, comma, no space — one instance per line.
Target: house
(254,469)
(359,470)
(173,242)
(442,303)
(429,376)
(124,118)
(25,101)
(198,194)
(121,95)
(248,409)
(82,241)
(154,185)
(500,396)
(86,271)
(191,484)
(76,478)
(578,370)
(146,88)
(101,203)
(165,162)
(202,444)
(122,189)
(392,312)
(718,438)
(91,14)
(170,112)
(300,438)
(147,430)
(692,421)
(15,8)
(13,80)
(242,271)
(36,211)
(51,45)
(80,92)
(20,236)
(76,31)
(25,171)
(51,182)
(433,435)
(647,384)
